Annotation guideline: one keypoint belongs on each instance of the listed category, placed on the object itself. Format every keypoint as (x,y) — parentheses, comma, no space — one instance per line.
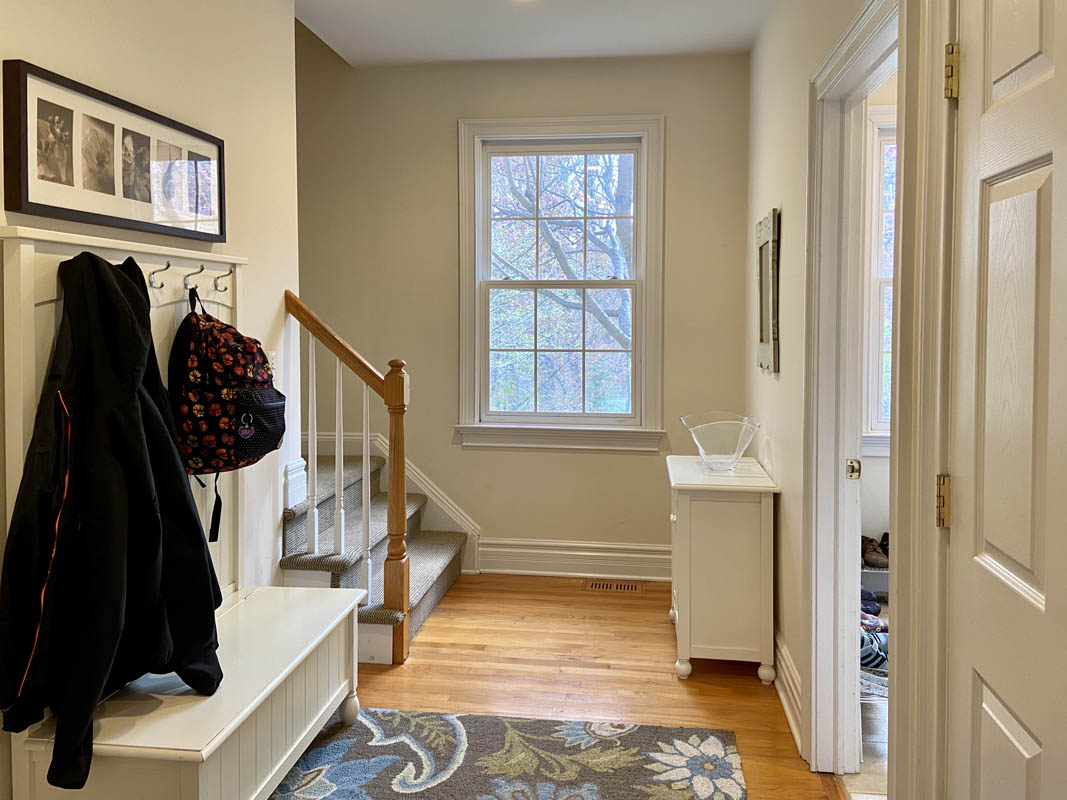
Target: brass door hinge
(952,71)
(944,501)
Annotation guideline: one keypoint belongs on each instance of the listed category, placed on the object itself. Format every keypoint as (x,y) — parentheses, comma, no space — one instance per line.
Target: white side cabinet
(722,545)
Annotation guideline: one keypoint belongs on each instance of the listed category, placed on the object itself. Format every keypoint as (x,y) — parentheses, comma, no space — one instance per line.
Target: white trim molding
(296,482)
(585,438)
(830,735)
(926,127)
(568,559)
(787,684)
(876,445)
(477,428)
(442,509)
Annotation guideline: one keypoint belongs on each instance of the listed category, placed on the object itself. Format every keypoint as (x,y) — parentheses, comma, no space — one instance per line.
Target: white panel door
(1007,591)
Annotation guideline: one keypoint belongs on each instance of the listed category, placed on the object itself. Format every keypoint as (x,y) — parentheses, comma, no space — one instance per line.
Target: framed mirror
(768,233)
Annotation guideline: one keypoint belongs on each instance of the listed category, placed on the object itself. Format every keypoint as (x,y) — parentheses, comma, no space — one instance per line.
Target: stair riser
(353,499)
(294,534)
(352,578)
(421,612)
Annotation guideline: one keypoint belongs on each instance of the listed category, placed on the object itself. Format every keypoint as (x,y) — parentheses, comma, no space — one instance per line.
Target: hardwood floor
(545,647)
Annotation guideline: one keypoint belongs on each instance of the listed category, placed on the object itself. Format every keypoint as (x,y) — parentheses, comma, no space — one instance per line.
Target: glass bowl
(721,437)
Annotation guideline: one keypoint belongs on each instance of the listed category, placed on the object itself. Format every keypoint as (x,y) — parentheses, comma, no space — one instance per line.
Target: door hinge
(952,71)
(944,501)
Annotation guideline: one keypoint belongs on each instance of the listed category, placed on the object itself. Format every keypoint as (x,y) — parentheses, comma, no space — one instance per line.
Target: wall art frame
(76,153)
(768,242)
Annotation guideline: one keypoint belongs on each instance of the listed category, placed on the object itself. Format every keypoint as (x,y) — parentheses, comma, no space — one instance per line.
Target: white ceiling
(397,31)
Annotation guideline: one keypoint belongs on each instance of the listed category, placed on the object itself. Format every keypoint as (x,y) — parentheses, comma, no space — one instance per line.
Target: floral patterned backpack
(227,412)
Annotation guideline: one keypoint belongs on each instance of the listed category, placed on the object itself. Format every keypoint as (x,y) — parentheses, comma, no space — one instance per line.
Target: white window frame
(642,429)
(881,129)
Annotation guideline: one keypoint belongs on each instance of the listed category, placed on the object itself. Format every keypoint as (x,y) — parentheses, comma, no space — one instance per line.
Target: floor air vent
(619,587)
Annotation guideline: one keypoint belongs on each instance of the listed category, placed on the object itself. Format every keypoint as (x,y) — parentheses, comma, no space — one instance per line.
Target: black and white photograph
(98,155)
(55,156)
(77,153)
(136,166)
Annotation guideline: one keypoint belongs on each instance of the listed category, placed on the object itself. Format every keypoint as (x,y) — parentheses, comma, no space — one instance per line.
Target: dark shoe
(884,544)
(869,602)
(872,554)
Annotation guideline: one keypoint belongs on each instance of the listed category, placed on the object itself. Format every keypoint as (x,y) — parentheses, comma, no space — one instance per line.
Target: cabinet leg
(350,710)
(767,674)
(683,668)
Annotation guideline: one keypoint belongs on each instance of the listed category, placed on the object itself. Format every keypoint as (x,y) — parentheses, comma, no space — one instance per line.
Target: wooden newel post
(397,588)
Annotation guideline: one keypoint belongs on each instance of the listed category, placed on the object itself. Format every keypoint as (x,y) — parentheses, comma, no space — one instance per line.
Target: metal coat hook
(152,277)
(219,278)
(185,280)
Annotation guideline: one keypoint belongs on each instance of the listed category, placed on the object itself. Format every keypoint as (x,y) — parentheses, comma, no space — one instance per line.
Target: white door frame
(921,294)
(837,266)
(926,157)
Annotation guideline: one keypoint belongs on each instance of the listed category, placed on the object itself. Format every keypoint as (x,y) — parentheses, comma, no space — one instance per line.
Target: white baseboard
(788,685)
(296,482)
(646,562)
(441,513)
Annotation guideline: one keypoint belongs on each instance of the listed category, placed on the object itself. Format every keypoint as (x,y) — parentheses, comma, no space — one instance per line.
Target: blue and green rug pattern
(388,754)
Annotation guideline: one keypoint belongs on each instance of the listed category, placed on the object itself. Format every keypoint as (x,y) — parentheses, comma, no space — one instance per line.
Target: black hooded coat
(106,572)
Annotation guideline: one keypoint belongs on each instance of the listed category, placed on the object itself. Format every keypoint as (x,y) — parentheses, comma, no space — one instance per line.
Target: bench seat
(289,658)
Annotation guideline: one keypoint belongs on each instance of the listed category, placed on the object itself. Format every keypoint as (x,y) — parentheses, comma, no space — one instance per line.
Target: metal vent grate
(623,587)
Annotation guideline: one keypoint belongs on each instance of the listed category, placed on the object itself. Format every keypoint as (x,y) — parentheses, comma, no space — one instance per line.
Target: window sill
(876,445)
(542,437)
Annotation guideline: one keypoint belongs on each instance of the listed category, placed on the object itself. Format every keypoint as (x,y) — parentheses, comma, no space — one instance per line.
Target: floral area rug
(390,754)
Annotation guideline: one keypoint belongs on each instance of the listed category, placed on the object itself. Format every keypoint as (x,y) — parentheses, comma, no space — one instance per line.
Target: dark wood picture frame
(17,163)
(768,237)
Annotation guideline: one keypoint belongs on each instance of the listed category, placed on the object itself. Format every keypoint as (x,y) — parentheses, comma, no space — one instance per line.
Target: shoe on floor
(884,543)
(872,654)
(873,624)
(872,553)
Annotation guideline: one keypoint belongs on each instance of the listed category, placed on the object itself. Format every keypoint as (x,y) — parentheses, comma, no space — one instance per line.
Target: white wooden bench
(289,661)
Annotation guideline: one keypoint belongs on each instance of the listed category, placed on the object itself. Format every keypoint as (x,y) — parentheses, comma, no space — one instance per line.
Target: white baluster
(366,491)
(339,469)
(313,454)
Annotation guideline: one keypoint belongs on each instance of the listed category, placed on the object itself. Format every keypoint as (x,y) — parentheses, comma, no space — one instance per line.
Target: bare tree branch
(525,197)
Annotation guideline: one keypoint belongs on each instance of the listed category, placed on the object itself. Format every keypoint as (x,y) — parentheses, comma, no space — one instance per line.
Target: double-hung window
(562,284)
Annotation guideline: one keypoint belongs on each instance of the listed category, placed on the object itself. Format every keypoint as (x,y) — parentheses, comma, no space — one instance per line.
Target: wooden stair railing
(394,388)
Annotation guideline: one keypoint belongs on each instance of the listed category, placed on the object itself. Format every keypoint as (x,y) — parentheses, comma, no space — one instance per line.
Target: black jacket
(106,572)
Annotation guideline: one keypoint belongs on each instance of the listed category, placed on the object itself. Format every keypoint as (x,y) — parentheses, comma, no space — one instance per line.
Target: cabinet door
(726,576)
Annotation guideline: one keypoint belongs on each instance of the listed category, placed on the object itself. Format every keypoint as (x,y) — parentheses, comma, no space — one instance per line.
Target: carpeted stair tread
(352,474)
(338,563)
(430,554)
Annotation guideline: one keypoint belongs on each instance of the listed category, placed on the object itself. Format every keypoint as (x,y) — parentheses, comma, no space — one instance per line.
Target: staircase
(435,556)
(350,533)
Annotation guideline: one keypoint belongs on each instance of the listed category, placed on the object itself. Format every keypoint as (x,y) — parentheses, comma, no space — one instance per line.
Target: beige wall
(228,69)
(874,496)
(789,49)
(379,260)
(886,94)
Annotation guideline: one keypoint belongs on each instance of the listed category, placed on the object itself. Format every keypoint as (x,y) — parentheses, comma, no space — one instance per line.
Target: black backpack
(227,412)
